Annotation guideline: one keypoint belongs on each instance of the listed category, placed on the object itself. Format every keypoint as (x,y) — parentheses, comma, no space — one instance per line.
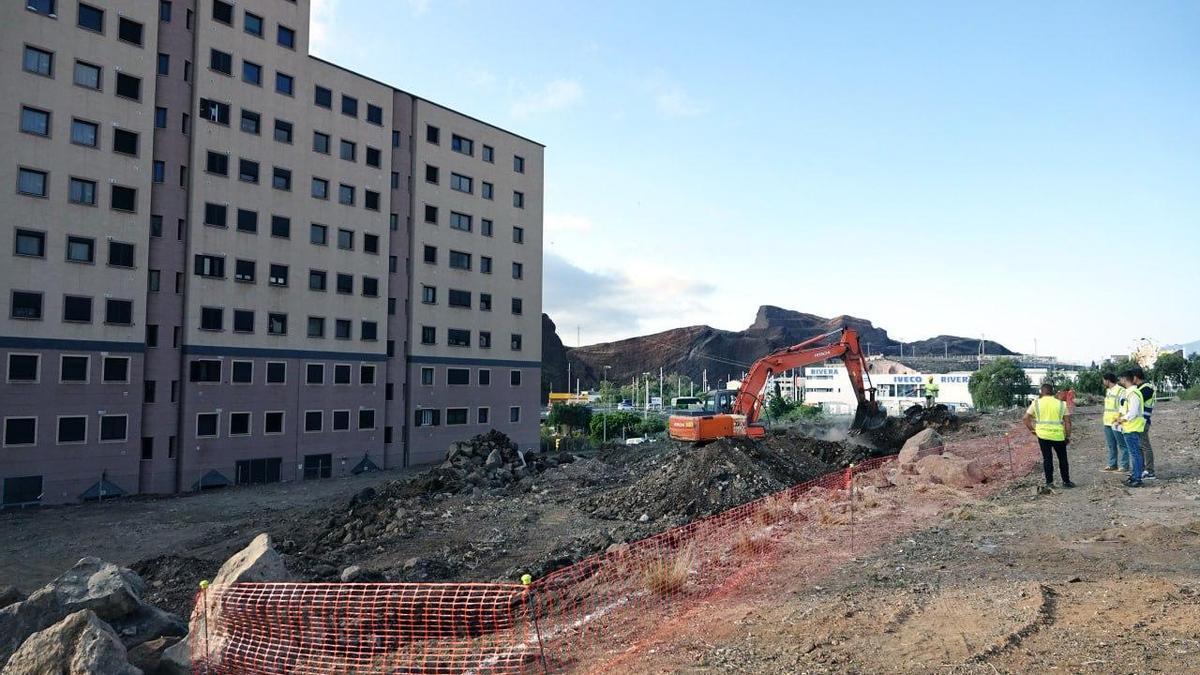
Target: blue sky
(1020,170)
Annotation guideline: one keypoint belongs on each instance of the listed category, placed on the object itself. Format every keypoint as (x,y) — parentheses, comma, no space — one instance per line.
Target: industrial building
(228,261)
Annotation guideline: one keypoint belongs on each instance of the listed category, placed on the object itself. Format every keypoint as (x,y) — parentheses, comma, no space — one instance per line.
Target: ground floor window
(318,466)
(256,471)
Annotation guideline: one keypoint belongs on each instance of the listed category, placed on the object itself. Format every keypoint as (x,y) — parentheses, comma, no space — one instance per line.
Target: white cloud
(556,95)
(557,223)
(320,29)
(418,7)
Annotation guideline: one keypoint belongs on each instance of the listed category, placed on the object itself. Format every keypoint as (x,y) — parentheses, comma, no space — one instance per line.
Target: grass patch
(664,576)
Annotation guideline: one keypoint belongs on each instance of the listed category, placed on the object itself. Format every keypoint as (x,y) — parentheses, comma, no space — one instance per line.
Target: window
(486,190)
(430,254)
(322,97)
(460,144)
(458,376)
(514,414)
(87,75)
(460,260)
(370,287)
(318,234)
(345,239)
(286,37)
(72,429)
(345,283)
(243,321)
(283,131)
(215,215)
(276,324)
(216,162)
(514,378)
(212,318)
(209,266)
(32,182)
(314,373)
(366,374)
(214,111)
(458,337)
(34,121)
(223,12)
(460,221)
(461,183)
(374,157)
(251,122)
(484,413)
(118,312)
(273,422)
(120,254)
(349,106)
(247,221)
(123,198)
(207,424)
(281,179)
(395,139)
(428,335)
(456,416)
(220,61)
(242,372)
(485,228)
(158,171)
(432,134)
(30,243)
(515,342)
(130,87)
(312,420)
(485,302)
(368,331)
(488,154)
(156,226)
(125,142)
(431,214)
(253,24)
(115,369)
(370,243)
(129,31)
(518,164)
(431,174)
(247,171)
(81,191)
(366,419)
(276,372)
(164,64)
(518,270)
(85,133)
(371,200)
(239,424)
(374,114)
(160,117)
(341,420)
(518,199)
(38,61)
(342,329)
(346,194)
(460,298)
(278,275)
(427,377)
(284,84)
(81,249)
(485,339)
(164,11)
(341,373)
(149,391)
(316,280)
(320,143)
(43,7)
(518,235)
(26,305)
(23,367)
(316,326)
(77,309)
(73,368)
(252,73)
(320,188)
(516,305)
(281,226)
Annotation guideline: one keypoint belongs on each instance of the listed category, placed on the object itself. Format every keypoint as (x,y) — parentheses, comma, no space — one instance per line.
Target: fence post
(204,600)
(527,581)
(1012,469)
(850,474)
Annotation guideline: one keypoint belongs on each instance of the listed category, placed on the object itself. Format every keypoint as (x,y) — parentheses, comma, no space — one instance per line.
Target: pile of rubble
(492,461)
(924,459)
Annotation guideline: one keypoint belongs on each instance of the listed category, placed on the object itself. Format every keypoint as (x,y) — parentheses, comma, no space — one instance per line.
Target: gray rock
(9,595)
(80,644)
(923,444)
(147,623)
(149,655)
(494,459)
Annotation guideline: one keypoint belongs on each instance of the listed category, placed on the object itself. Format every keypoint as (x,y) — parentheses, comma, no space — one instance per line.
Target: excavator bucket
(868,416)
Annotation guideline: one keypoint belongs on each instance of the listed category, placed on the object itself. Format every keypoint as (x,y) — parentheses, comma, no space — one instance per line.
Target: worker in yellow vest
(1113,393)
(931,392)
(1131,423)
(1149,397)
(1050,420)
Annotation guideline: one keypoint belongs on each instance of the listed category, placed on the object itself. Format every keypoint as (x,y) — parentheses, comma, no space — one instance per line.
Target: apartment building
(231,262)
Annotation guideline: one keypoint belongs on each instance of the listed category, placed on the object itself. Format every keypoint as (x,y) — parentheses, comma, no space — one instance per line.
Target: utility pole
(660,385)
(947,347)
(704,380)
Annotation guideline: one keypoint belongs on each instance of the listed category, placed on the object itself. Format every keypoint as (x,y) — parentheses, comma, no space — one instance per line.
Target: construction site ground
(1096,579)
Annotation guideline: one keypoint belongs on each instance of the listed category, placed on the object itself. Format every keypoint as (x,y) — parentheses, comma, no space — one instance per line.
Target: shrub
(664,576)
(1191,394)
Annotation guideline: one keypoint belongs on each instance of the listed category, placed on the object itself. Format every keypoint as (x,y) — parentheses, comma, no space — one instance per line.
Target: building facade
(232,262)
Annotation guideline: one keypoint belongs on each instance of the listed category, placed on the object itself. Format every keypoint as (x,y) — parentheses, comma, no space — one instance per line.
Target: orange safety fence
(577,616)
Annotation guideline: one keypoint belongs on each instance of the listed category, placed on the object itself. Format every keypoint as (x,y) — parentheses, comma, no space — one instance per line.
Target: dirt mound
(172,580)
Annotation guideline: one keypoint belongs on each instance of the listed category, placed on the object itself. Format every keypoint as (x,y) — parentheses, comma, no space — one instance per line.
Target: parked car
(625,405)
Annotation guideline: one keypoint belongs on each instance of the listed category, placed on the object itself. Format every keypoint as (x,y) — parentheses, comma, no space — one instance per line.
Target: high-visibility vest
(1134,426)
(931,389)
(1048,414)
(1149,396)
(1112,404)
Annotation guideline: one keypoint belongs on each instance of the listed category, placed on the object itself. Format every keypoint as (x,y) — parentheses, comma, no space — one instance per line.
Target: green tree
(1171,369)
(1194,368)
(1057,379)
(573,416)
(617,422)
(1090,381)
(999,384)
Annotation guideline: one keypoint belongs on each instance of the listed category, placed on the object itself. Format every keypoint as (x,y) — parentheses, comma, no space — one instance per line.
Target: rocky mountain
(693,349)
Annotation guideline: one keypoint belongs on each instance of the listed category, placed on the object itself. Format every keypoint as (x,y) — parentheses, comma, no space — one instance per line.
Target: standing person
(931,392)
(1131,424)
(1113,393)
(1049,419)
(1149,393)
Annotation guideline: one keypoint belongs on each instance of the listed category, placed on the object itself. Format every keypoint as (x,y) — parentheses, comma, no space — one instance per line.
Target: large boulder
(147,623)
(9,595)
(148,655)
(923,444)
(952,470)
(109,591)
(80,644)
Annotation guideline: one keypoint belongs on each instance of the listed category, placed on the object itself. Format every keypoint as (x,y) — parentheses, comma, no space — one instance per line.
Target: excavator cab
(720,401)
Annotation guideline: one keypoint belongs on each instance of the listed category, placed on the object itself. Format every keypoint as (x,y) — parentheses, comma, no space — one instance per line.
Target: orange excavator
(730,413)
